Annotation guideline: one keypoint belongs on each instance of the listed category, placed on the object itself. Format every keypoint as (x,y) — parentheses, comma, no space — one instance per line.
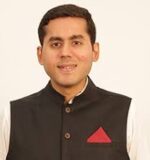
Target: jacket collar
(87,96)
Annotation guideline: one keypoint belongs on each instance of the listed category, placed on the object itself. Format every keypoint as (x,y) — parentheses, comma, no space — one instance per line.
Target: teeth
(67,67)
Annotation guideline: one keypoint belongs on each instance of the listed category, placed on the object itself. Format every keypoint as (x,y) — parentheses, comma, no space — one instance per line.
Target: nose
(66,51)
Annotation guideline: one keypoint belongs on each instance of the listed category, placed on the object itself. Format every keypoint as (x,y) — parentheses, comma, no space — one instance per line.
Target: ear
(40,55)
(95,52)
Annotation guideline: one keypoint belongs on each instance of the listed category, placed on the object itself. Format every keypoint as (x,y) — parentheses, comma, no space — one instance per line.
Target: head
(67,10)
(68,48)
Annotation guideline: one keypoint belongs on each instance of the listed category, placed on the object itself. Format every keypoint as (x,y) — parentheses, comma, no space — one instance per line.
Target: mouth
(67,68)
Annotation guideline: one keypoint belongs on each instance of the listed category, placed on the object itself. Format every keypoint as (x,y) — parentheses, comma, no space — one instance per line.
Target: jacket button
(67,135)
(67,109)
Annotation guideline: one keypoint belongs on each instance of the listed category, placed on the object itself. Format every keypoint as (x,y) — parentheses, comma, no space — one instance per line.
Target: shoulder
(32,98)
(113,96)
(111,93)
(105,94)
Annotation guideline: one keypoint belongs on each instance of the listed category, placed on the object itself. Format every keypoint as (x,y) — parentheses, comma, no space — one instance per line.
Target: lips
(67,68)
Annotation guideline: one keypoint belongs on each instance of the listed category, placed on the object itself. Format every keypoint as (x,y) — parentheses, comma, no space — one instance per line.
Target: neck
(69,92)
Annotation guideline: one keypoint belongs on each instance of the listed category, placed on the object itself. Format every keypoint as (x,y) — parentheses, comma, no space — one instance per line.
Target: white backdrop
(123,30)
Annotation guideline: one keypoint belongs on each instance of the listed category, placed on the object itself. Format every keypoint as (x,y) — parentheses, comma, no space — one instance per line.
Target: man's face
(67,53)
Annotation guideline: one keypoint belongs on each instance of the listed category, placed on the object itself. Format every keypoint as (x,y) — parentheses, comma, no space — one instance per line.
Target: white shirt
(138,144)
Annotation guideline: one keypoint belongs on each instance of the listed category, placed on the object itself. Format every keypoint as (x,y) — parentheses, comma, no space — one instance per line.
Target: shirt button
(68,109)
(67,135)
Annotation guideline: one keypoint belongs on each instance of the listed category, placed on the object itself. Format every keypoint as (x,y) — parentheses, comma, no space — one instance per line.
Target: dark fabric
(39,123)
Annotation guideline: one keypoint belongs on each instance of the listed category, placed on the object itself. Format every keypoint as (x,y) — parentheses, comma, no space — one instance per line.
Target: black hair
(67,10)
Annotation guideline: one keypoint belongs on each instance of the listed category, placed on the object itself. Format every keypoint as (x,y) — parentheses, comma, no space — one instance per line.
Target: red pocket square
(99,136)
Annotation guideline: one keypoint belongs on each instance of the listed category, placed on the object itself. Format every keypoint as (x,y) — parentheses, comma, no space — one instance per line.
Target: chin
(67,84)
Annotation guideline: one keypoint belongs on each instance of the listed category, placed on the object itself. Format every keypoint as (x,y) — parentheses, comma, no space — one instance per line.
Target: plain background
(123,30)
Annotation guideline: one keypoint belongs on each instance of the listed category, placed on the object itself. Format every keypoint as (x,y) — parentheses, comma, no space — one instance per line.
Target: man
(71,118)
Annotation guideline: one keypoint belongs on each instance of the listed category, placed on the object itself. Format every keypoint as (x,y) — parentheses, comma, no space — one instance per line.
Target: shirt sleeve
(138,131)
(4,131)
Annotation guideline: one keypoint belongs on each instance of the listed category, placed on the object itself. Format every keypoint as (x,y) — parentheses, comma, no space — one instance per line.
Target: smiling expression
(67,53)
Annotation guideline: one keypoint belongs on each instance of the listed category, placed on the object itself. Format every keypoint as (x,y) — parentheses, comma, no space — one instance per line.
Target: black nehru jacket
(93,127)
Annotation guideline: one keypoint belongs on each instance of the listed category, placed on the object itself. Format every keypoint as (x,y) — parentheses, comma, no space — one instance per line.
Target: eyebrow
(55,39)
(76,37)
(73,37)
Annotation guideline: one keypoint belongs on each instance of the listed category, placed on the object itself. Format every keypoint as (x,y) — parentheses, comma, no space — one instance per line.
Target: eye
(77,43)
(56,44)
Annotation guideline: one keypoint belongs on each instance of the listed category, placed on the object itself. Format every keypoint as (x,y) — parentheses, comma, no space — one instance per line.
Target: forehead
(66,26)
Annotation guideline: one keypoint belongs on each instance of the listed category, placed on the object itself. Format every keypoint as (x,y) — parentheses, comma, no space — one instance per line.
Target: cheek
(85,58)
(49,58)
(85,55)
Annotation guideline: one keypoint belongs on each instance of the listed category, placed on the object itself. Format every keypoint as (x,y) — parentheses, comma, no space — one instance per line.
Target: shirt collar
(78,94)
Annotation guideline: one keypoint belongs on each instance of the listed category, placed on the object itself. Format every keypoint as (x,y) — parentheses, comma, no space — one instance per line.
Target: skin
(67,54)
